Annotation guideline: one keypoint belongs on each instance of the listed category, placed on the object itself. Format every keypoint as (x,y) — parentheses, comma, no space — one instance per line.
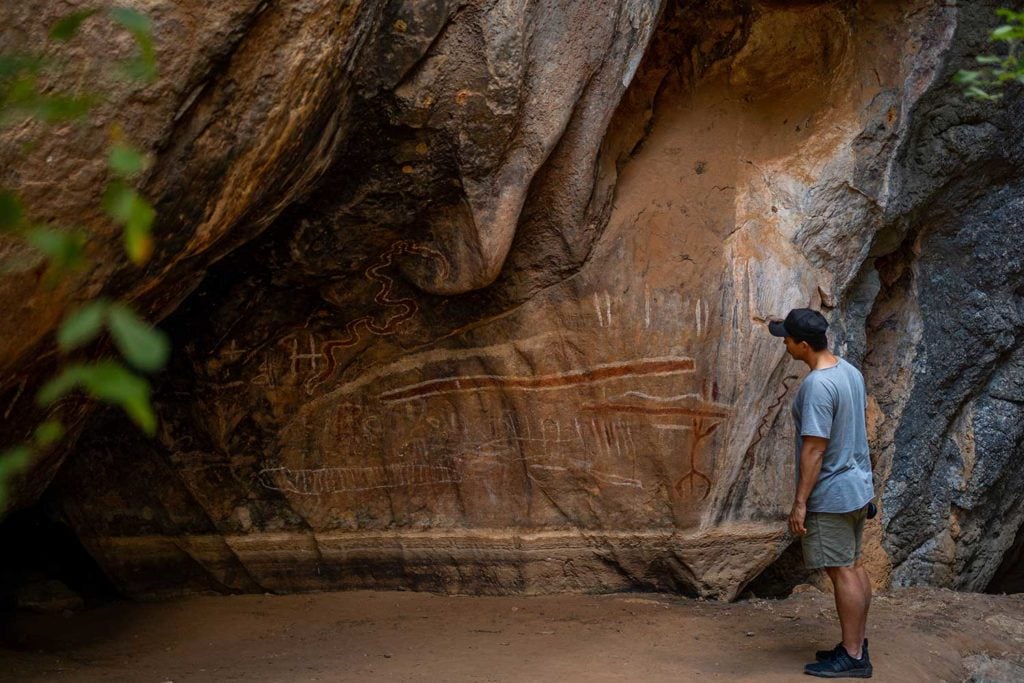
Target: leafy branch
(995,71)
(142,348)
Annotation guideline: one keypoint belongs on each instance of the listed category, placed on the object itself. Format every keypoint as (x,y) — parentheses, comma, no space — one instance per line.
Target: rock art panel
(506,330)
(607,414)
(278,100)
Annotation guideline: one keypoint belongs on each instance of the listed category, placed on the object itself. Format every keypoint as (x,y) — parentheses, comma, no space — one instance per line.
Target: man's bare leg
(865,582)
(851,604)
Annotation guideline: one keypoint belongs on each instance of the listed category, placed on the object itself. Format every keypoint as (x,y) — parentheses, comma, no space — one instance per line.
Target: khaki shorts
(833,539)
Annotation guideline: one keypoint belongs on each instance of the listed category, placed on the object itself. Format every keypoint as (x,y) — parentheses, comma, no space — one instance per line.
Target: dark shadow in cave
(783,575)
(39,550)
(1009,577)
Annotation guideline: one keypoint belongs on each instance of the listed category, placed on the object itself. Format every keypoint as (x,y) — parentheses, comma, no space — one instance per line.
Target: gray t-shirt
(831,404)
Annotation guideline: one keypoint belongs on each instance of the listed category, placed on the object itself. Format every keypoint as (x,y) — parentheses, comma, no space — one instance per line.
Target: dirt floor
(915,635)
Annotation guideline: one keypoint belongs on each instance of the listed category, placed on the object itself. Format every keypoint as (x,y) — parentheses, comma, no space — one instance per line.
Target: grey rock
(47,597)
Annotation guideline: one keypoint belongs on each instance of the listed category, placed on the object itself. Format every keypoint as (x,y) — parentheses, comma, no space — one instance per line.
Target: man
(834,484)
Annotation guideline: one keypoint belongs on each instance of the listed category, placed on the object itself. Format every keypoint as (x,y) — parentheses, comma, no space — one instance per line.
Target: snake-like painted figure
(406,307)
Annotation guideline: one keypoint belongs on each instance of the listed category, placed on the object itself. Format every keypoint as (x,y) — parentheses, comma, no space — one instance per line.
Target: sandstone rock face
(503,327)
(229,119)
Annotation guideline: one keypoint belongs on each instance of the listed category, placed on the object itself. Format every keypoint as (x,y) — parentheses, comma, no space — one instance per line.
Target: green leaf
(65,250)
(21,90)
(107,381)
(1005,32)
(48,433)
(15,459)
(137,239)
(20,96)
(50,242)
(11,462)
(69,378)
(140,68)
(966,77)
(10,211)
(66,27)
(117,201)
(132,20)
(82,326)
(53,108)
(135,215)
(125,160)
(13,65)
(112,382)
(988,59)
(142,345)
(977,93)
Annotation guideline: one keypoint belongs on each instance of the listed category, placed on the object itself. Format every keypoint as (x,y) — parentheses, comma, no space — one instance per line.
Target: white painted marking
(647,307)
(649,397)
(457,387)
(313,356)
(551,468)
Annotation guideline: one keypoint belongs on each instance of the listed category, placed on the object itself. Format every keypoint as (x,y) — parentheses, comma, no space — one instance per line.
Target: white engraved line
(666,399)
(312,482)
(502,351)
(616,480)
(470,378)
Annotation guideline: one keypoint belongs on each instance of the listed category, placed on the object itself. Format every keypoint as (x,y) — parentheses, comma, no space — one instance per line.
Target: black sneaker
(822,655)
(842,665)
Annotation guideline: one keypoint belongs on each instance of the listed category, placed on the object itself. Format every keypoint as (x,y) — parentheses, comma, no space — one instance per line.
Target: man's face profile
(793,347)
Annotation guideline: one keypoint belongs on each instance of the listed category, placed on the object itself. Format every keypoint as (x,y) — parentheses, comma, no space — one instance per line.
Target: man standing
(834,484)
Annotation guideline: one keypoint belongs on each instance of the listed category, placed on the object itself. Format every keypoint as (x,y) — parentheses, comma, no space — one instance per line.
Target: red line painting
(705,415)
(687,411)
(700,432)
(600,373)
(769,414)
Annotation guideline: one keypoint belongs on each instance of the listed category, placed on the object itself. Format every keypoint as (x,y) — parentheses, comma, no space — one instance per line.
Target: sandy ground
(916,635)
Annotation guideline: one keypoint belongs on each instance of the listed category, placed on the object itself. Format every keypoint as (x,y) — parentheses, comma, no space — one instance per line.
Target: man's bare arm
(811,454)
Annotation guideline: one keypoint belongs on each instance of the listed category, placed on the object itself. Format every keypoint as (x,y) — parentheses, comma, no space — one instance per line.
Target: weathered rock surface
(955,499)
(987,669)
(505,331)
(48,597)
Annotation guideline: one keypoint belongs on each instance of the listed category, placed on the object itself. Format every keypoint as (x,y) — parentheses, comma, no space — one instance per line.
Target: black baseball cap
(802,324)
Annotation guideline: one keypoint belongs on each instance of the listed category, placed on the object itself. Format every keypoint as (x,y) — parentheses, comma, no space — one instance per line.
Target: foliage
(23,96)
(995,71)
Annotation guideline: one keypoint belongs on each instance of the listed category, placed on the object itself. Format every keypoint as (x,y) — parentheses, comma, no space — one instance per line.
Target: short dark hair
(818,342)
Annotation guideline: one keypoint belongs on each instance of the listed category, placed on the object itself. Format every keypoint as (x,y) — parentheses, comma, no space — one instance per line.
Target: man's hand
(796,519)
(811,454)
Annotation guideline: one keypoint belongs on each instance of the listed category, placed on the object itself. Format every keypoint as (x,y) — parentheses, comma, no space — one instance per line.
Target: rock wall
(505,330)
